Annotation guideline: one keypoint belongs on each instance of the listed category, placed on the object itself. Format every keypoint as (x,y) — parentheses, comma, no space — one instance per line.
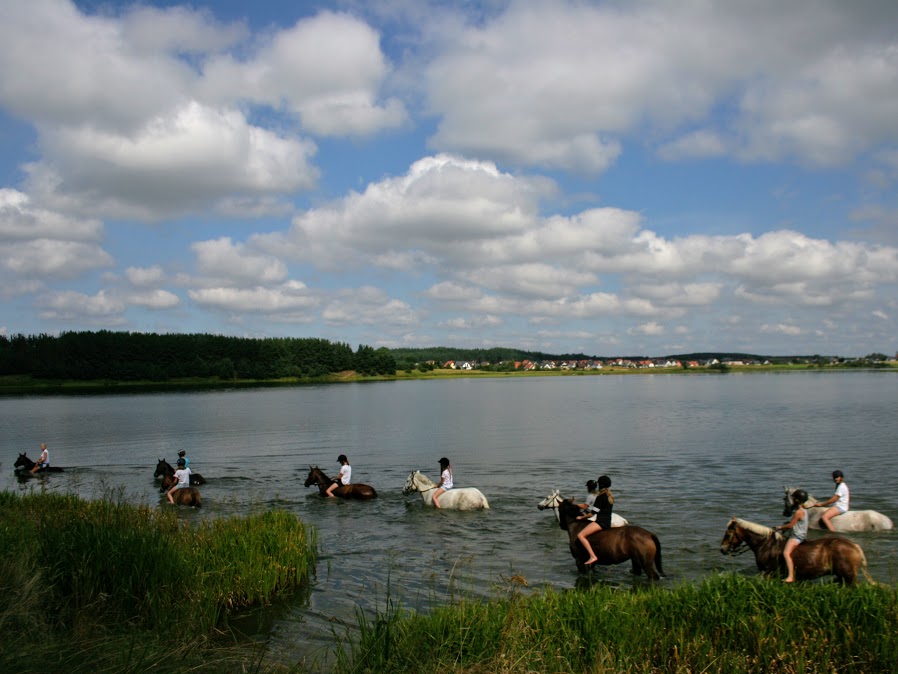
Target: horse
(553,500)
(853,520)
(830,555)
(188,496)
(357,491)
(612,546)
(164,469)
(458,498)
(23,466)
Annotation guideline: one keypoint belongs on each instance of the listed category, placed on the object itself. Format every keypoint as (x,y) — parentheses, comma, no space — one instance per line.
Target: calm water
(685,453)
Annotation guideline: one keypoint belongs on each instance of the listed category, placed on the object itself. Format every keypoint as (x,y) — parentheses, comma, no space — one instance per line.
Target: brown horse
(354,491)
(612,546)
(23,466)
(189,496)
(164,469)
(830,555)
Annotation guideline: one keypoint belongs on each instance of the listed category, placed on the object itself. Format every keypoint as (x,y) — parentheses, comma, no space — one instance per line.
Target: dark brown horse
(830,555)
(23,466)
(613,546)
(164,469)
(354,491)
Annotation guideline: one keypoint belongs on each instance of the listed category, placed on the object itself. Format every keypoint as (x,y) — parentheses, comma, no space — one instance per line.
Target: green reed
(725,624)
(76,568)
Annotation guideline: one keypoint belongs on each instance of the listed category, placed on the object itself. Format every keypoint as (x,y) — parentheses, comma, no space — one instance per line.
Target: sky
(597,177)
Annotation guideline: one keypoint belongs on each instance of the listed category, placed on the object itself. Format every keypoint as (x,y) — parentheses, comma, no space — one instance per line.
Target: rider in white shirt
(840,499)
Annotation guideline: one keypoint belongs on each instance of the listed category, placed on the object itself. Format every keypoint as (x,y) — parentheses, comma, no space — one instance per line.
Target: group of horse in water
(828,555)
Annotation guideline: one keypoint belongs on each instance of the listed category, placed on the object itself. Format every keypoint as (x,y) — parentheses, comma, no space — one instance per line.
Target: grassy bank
(108,586)
(727,624)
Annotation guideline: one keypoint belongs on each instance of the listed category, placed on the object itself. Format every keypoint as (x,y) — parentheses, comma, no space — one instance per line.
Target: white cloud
(290,296)
(368,306)
(145,276)
(652,328)
(223,259)
(782,328)
(153,299)
(42,258)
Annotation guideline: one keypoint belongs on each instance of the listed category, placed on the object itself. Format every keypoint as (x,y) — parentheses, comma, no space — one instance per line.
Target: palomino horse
(357,491)
(458,498)
(553,500)
(23,466)
(853,520)
(164,469)
(830,555)
(612,546)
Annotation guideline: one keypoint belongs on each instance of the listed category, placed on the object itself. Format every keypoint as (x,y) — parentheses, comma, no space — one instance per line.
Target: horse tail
(863,566)
(658,555)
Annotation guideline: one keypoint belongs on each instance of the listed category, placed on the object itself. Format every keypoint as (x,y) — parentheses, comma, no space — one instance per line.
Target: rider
(345,476)
(445,480)
(183,455)
(597,509)
(182,475)
(43,460)
(840,498)
(799,526)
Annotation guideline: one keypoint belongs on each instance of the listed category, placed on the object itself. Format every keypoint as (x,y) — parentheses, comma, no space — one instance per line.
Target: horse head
(22,461)
(315,477)
(163,468)
(551,501)
(411,484)
(733,538)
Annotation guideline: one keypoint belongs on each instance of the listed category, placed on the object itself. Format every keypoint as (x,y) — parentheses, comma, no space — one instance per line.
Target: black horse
(164,469)
(23,466)
(612,546)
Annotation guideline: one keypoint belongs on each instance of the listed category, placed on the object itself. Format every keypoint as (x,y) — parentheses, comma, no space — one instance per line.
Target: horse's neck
(322,474)
(756,535)
(424,481)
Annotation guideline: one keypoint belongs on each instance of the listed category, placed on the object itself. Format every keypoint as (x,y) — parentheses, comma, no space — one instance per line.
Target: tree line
(132,356)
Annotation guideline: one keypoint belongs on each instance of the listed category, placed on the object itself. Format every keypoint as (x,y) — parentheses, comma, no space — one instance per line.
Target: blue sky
(599,177)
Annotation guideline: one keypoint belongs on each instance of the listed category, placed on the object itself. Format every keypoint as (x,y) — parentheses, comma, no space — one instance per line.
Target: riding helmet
(182,462)
(604,482)
(837,473)
(342,458)
(591,485)
(799,496)
(444,462)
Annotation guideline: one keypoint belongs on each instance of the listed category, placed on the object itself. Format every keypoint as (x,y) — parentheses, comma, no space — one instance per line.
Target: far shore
(25,384)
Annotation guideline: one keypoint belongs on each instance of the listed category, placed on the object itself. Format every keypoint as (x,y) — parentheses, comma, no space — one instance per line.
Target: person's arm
(832,499)
(798,516)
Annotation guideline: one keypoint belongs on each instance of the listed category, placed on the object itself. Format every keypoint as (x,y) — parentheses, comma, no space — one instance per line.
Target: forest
(134,356)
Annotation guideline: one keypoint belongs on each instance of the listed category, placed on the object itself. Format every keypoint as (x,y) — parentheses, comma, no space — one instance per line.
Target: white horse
(458,498)
(853,520)
(553,499)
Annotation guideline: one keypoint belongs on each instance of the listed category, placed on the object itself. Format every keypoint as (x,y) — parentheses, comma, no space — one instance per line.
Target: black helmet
(799,496)
(837,473)
(182,462)
(591,485)
(444,462)
(342,458)
(604,482)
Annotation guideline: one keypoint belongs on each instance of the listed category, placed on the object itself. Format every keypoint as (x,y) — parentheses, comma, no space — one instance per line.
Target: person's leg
(170,492)
(437,492)
(827,517)
(791,544)
(583,536)
(330,490)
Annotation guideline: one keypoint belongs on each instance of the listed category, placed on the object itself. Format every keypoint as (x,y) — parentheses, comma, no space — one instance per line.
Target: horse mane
(425,479)
(754,527)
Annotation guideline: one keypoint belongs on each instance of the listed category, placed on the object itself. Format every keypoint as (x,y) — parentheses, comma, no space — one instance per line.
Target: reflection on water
(685,453)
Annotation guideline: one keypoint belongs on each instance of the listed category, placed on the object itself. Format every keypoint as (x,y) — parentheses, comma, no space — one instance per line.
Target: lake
(684,452)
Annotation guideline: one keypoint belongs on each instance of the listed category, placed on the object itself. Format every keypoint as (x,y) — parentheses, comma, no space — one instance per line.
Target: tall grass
(89,572)
(725,624)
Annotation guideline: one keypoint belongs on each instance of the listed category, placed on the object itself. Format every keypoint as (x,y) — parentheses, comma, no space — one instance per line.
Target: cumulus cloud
(558,85)
(290,296)
(224,259)
(368,306)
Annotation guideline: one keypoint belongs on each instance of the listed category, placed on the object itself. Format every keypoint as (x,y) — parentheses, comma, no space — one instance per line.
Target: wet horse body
(554,499)
(613,546)
(356,491)
(830,555)
(457,498)
(23,466)
(164,469)
(853,520)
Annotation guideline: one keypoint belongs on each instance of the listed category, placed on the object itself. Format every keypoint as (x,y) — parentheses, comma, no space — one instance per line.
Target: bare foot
(592,560)
(789,580)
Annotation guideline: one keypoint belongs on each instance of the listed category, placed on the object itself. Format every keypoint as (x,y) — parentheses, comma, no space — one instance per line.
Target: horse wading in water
(853,520)
(830,555)
(457,498)
(165,469)
(357,490)
(554,499)
(613,546)
(24,465)
(188,496)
